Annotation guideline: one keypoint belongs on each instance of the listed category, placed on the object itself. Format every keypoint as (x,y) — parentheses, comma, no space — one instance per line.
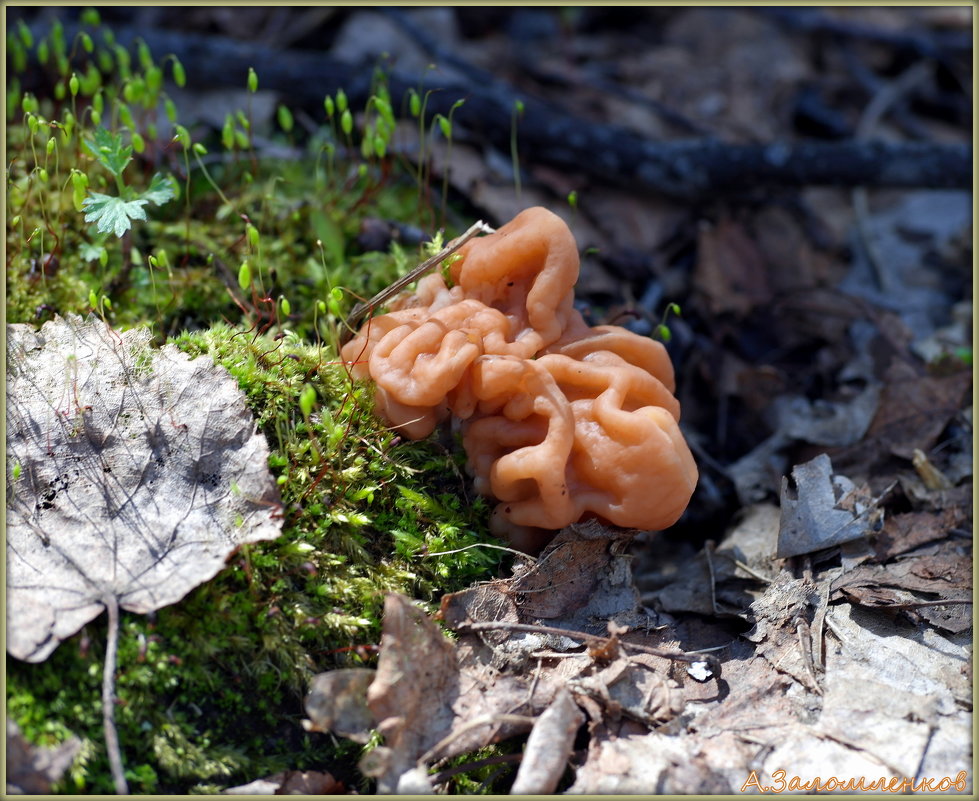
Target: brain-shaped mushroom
(561,421)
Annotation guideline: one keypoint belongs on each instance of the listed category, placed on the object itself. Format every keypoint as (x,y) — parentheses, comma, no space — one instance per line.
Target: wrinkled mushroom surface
(561,421)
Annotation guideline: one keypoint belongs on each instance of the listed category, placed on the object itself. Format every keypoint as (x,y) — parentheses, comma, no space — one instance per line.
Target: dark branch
(684,169)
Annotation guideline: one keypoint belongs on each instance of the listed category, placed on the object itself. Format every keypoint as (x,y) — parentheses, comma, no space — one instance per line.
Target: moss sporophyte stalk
(117,203)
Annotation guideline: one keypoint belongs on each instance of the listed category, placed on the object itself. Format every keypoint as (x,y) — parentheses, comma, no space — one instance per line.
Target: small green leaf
(109,150)
(90,252)
(112,213)
(161,189)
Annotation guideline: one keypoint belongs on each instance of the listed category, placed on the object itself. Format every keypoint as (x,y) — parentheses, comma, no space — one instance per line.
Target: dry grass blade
(358,312)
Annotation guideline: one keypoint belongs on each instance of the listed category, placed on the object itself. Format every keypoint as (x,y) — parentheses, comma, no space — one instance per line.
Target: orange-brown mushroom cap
(562,421)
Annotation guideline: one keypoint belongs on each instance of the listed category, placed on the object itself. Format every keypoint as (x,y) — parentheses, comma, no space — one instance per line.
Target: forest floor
(796,181)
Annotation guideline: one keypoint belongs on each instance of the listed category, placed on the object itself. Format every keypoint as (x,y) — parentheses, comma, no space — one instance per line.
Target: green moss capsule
(179,75)
(245,275)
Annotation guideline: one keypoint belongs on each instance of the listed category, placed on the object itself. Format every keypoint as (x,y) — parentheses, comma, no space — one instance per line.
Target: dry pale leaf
(32,770)
(826,511)
(291,782)
(548,747)
(411,697)
(337,702)
(132,474)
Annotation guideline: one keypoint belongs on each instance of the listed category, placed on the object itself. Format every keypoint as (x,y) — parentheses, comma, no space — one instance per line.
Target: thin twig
(358,312)
(483,720)
(108,697)
(679,656)
(804,634)
(480,545)
(443,776)
(915,604)
(819,624)
(708,550)
(751,571)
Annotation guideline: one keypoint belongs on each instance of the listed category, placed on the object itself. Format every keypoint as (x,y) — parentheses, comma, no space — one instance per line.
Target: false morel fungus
(561,421)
